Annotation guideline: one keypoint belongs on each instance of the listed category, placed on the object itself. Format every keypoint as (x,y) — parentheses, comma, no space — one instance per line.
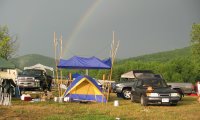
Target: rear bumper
(117,90)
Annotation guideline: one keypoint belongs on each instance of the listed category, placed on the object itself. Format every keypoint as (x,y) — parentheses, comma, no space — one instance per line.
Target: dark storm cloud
(142,26)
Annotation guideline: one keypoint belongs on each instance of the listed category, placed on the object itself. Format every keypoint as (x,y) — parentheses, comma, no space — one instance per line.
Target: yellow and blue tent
(85,88)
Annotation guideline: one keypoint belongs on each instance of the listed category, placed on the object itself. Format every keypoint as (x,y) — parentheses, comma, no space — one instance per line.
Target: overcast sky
(142,26)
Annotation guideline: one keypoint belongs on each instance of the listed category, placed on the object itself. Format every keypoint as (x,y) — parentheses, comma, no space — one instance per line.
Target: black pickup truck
(34,79)
(153,91)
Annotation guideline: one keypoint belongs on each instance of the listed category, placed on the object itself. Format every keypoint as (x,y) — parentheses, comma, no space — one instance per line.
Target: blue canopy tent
(75,75)
(85,63)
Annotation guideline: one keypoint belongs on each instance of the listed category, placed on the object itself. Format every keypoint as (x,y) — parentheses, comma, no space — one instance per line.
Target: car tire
(126,93)
(132,99)
(173,104)
(181,96)
(143,100)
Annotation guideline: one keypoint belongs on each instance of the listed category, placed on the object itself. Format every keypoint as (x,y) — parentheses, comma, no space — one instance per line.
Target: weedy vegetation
(186,109)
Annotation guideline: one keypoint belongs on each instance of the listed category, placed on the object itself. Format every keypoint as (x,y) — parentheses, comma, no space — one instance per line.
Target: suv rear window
(127,79)
(144,75)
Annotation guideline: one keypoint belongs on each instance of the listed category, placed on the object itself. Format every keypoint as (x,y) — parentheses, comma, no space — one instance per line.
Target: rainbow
(80,24)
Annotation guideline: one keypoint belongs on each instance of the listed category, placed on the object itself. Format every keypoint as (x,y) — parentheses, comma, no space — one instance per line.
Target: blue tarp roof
(85,63)
(75,75)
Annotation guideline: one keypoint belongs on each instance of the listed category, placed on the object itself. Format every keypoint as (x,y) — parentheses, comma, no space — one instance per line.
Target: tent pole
(87,72)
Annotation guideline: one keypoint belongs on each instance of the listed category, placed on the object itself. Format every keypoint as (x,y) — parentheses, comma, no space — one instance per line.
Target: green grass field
(187,109)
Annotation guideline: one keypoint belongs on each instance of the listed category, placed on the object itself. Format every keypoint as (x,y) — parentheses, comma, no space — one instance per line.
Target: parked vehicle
(34,79)
(153,90)
(123,87)
(187,88)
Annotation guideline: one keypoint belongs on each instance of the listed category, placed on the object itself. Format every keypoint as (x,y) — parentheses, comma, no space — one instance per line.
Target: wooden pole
(112,45)
(59,60)
(103,86)
(113,52)
(56,61)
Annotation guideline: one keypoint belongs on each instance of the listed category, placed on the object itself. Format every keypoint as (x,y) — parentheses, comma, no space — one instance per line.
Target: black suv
(123,87)
(153,90)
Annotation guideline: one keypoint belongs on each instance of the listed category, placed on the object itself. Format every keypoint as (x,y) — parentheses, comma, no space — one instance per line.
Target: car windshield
(32,72)
(154,83)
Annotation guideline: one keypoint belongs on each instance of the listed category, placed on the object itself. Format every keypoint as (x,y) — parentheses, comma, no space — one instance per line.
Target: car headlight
(152,94)
(174,94)
(36,80)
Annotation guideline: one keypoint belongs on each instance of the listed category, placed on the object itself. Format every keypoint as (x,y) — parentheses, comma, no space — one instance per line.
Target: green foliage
(195,47)
(174,66)
(195,40)
(7,43)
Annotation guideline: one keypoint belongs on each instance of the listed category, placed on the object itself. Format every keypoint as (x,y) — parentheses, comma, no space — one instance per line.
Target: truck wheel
(126,94)
(143,101)
(119,95)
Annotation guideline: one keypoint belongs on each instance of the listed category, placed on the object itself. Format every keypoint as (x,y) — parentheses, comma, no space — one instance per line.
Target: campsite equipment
(55,99)
(5,99)
(84,88)
(6,91)
(66,99)
(116,103)
(26,97)
(36,100)
(60,99)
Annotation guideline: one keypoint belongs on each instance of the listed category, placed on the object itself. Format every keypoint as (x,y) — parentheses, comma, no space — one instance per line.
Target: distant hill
(32,59)
(162,56)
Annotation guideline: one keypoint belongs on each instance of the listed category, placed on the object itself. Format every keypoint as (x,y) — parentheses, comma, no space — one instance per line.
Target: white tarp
(128,75)
(138,74)
(39,66)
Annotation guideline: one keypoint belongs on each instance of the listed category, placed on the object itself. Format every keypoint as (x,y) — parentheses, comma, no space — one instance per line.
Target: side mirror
(169,85)
(138,86)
